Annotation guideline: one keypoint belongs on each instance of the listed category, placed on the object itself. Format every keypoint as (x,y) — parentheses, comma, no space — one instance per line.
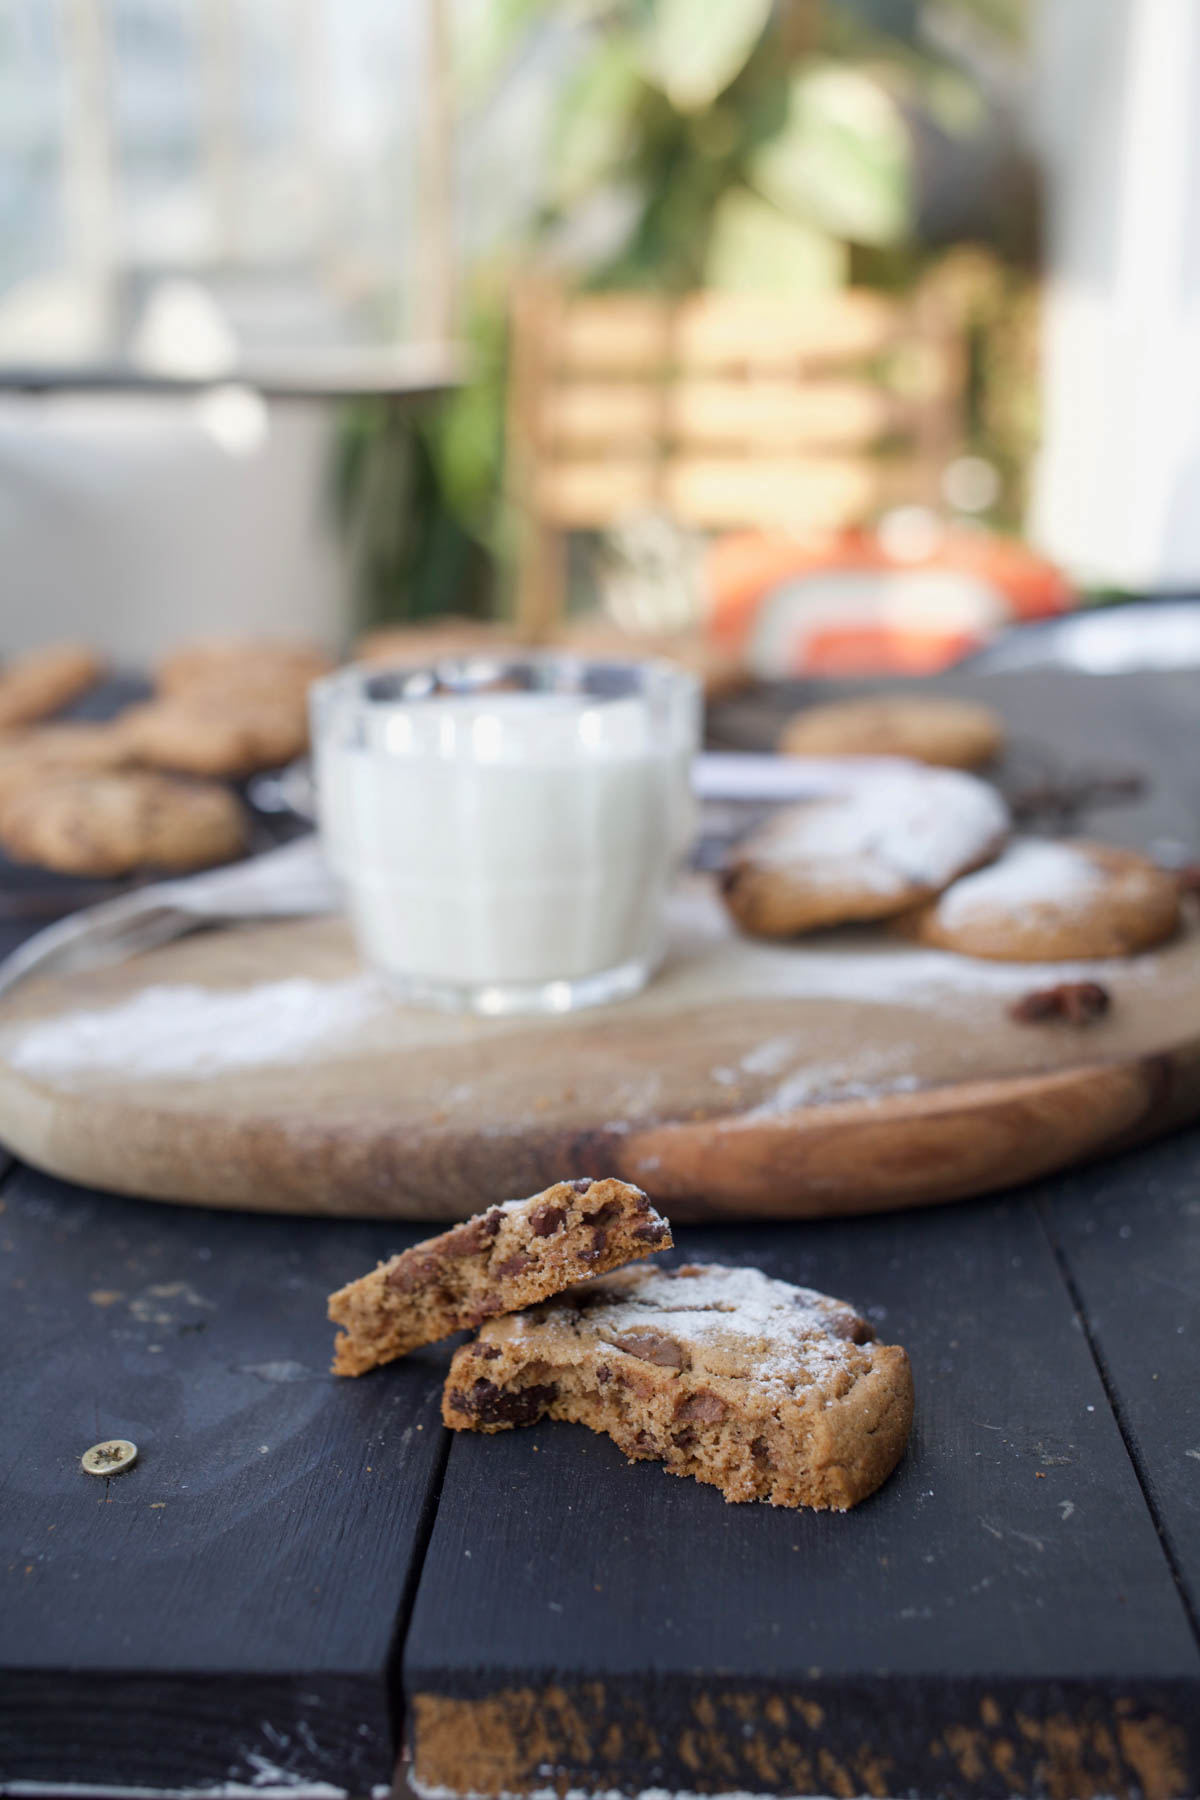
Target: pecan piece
(847,1325)
(1075,1002)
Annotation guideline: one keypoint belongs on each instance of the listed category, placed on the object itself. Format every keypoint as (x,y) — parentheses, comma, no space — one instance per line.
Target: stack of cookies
(927,846)
(764,1390)
(146,789)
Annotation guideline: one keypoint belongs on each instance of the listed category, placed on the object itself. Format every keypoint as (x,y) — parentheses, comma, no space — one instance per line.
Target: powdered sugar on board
(894,832)
(194,1031)
(186,1031)
(1028,874)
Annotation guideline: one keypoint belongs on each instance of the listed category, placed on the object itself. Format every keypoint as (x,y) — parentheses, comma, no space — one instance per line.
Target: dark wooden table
(301,1574)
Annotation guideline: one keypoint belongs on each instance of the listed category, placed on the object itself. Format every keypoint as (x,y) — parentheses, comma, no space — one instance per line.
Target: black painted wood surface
(1014,1612)
(227,1607)
(1005,1588)
(1128,1238)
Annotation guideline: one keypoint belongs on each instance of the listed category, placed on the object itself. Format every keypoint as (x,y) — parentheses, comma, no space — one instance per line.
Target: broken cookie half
(507,1257)
(767,1391)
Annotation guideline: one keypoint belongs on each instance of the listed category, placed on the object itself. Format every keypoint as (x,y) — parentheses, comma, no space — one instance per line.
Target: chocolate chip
(603,1374)
(759,1451)
(474,1236)
(489,1352)
(516,1264)
(651,1347)
(683,1440)
(492,1405)
(643,1441)
(1075,1002)
(544,1220)
(410,1273)
(581,1184)
(704,1408)
(650,1234)
(848,1326)
(599,1244)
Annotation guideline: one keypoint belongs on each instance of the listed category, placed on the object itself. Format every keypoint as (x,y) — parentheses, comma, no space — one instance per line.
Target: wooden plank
(998,1619)
(225,1610)
(804,493)
(1128,1236)
(763,416)
(709,330)
(715,330)
(607,333)
(751,415)
(601,415)
(593,495)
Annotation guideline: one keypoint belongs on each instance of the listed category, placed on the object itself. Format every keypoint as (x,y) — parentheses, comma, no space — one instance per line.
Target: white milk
(507,840)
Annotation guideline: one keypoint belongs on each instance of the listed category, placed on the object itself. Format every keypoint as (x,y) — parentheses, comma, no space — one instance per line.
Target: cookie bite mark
(507,1257)
(764,1390)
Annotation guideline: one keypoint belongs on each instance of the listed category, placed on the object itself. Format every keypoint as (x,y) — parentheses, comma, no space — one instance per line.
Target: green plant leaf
(843,159)
(693,49)
(754,248)
(594,122)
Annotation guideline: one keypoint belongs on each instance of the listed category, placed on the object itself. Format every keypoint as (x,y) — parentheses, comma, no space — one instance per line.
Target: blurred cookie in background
(233,735)
(242,665)
(42,682)
(114,823)
(1051,902)
(927,728)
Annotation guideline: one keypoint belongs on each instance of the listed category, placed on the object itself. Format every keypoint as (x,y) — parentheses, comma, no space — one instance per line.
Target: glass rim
(470,672)
(394,709)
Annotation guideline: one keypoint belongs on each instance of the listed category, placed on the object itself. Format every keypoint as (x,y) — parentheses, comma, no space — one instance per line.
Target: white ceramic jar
(505,829)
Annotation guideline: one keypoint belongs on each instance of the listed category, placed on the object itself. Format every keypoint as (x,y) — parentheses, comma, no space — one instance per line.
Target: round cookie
(870,852)
(43,681)
(1053,902)
(927,728)
(109,824)
(196,736)
(225,666)
(27,757)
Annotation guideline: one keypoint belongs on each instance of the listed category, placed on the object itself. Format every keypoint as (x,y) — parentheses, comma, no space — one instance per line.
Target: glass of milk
(505,828)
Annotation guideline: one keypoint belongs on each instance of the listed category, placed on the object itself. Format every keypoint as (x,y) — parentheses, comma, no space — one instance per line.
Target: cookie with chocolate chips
(510,1256)
(766,1391)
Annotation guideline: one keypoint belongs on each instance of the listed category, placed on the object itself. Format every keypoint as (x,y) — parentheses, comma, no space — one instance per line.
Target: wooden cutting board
(260,1067)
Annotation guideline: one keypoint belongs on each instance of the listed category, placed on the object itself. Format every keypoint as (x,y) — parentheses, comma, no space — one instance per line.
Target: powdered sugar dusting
(190,1030)
(773,1331)
(894,832)
(1028,874)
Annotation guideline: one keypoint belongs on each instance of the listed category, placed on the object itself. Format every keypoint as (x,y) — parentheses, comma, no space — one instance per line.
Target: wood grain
(1128,1238)
(750,1079)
